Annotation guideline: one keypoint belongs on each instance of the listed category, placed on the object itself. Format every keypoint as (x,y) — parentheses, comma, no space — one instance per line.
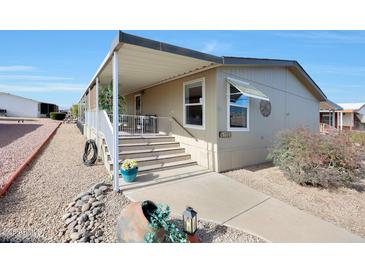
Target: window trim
(229,128)
(202,80)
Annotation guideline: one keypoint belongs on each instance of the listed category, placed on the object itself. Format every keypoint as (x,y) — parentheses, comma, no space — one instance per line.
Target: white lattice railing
(128,125)
(144,125)
(105,128)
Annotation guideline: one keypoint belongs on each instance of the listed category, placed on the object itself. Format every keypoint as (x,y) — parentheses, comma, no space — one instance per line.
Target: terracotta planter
(133,223)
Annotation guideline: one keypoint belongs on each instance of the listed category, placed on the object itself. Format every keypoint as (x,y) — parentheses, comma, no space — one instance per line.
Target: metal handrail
(187,131)
(144,116)
(130,124)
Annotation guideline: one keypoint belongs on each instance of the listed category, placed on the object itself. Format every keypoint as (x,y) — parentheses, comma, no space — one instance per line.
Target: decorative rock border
(82,220)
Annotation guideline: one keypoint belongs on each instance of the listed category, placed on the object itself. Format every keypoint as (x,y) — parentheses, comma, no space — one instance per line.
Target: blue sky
(56,66)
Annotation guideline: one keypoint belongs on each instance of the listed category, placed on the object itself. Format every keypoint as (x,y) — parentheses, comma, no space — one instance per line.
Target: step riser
(145,140)
(160,168)
(167,168)
(148,154)
(160,161)
(156,146)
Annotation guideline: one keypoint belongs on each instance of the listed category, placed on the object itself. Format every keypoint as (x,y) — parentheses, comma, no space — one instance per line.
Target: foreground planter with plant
(147,222)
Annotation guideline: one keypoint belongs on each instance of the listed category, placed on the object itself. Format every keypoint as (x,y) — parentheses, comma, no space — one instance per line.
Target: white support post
(333,119)
(89,100)
(142,123)
(97,111)
(115,123)
(341,120)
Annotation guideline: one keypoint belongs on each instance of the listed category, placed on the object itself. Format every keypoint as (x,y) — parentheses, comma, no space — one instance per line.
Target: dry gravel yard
(344,207)
(34,207)
(18,140)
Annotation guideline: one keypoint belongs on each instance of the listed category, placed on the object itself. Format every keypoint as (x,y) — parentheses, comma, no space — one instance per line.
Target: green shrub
(57,115)
(75,110)
(328,161)
(106,100)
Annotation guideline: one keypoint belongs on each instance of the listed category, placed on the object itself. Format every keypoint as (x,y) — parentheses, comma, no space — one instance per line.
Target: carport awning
(144,63)
(328,105)
(247,89)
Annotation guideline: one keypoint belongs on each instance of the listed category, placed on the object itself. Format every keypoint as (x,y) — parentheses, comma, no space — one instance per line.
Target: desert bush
(357,137)
(57,115)
(327,161)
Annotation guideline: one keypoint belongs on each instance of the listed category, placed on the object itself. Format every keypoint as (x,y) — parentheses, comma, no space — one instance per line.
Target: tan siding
(167,99)
(293,106)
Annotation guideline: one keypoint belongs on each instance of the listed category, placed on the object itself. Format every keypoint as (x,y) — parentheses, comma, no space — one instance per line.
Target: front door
(138,105)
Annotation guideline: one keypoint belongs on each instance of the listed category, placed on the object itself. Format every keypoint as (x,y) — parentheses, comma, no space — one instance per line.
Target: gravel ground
(344,207)
(18,140)
(32,209)
(113,206)
(209,232)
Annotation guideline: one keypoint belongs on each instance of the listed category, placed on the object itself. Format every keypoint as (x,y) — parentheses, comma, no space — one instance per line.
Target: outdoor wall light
(190,220)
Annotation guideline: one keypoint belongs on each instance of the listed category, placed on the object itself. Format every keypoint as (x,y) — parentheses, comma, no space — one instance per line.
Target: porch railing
(143,125)
(324,128)
(106,129)
(105,126)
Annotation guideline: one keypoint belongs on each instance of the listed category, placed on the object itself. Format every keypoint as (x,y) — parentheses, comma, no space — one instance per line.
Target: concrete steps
(145,139)
(166,166)
(148,146)
(136,154)
(155,160)
(153,153)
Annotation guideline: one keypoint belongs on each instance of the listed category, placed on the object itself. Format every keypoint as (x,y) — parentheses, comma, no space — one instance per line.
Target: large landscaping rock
(81,216)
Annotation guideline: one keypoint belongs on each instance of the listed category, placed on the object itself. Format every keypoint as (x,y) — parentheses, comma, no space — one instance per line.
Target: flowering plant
(129,164)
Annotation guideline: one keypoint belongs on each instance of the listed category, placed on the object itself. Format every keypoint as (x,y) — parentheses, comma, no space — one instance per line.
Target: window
(237,109)
(194,93)
(138,107)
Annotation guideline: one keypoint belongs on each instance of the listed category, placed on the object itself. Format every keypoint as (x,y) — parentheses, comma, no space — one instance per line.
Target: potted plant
(129,170)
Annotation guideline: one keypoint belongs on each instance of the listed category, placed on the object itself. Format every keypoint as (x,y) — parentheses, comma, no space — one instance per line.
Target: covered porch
(133,65)
(330,116)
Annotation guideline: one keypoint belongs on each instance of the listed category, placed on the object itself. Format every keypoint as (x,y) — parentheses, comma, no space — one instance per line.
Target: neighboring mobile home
(347,116)
(223,111)
(17,106)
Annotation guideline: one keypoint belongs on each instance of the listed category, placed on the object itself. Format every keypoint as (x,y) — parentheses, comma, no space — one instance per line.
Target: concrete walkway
(225,201)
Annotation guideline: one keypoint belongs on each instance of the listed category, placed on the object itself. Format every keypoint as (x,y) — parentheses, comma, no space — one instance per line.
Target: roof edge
(275,62)
(157,45)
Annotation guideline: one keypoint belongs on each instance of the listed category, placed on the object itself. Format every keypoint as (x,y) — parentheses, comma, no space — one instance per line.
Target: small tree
(75,110)
(106,100)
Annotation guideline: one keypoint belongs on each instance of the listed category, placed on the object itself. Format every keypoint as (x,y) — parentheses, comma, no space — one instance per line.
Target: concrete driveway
(225,201)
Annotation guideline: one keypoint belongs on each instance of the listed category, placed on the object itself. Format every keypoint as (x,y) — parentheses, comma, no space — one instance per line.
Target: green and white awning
(247,89)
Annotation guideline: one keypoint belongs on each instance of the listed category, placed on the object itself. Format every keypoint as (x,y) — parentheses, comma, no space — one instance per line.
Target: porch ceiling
(141,67)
